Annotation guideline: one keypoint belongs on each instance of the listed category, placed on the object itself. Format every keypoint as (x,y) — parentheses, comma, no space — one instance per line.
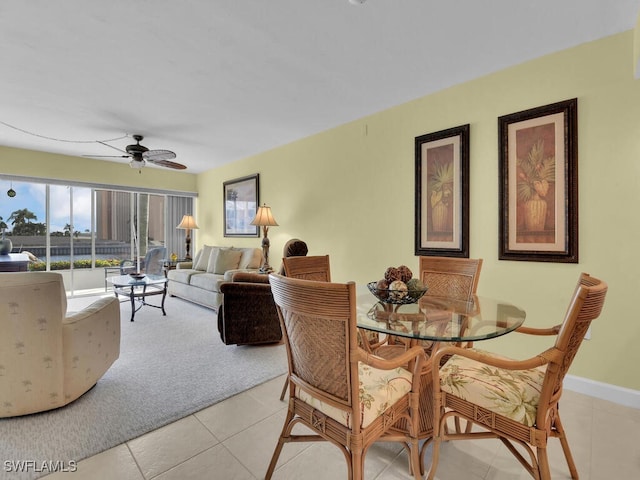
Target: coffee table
(139,289)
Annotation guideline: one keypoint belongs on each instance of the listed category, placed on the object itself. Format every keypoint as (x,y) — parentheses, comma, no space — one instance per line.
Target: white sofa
(49,358)
(199,281)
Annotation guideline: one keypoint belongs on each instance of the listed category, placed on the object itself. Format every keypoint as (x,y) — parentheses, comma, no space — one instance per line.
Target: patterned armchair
(48,358)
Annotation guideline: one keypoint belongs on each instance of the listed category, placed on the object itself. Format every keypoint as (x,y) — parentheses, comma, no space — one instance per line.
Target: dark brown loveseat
(248,313)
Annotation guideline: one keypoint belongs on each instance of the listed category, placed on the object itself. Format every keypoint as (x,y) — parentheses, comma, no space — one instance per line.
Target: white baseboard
(604,391)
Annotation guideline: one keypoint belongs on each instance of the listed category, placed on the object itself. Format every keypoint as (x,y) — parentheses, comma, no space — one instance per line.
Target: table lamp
(264,219)
(188,223)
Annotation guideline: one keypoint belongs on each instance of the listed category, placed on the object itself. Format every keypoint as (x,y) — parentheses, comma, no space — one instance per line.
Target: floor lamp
(188,223)
(265,219)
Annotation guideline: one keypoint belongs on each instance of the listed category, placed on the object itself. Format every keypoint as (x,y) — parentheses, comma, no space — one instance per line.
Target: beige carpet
(169,367)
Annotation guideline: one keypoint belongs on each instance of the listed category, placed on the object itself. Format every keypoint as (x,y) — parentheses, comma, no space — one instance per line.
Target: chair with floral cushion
(316,268)
(340,392)
(515,400)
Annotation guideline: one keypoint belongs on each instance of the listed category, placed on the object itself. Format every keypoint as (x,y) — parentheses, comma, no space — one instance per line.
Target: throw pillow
(212,259)
(203,258)
(227,259)
(251,258)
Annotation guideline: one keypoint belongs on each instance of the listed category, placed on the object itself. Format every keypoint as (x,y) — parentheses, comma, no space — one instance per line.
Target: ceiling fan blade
(167,164)
(107,156)
(153,155)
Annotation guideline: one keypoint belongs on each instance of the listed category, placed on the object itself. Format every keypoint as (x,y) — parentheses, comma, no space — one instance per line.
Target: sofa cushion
(182,275)
(202,259)
(227,259)
(207,281)
(212,259)
(251,258)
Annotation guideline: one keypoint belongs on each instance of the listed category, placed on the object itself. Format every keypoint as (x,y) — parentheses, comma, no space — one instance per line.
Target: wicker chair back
(450,277)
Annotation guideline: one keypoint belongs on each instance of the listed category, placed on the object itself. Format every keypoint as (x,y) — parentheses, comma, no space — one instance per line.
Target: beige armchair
(49,359)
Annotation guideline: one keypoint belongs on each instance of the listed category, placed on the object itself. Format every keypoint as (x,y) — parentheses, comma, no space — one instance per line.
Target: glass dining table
(437,321)
(440,319)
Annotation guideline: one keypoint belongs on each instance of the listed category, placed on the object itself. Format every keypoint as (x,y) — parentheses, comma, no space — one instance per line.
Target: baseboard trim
(604,391)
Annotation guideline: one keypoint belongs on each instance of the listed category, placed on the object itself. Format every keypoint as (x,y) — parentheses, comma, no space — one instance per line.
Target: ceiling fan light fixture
(136,163)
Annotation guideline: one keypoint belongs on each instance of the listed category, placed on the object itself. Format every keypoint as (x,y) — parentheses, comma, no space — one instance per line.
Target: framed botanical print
(538,171)
(241,197)
(442,193)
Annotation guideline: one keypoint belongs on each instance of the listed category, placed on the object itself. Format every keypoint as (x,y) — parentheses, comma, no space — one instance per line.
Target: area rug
(169,367)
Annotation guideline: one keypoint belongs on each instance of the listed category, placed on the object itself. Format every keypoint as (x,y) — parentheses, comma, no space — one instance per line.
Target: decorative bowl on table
(137,276)
(397,294)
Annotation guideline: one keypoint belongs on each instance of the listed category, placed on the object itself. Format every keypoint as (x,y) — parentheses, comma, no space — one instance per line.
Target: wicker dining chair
(340,392)
(444,277)
(515,400)
(450,277)
(308,268)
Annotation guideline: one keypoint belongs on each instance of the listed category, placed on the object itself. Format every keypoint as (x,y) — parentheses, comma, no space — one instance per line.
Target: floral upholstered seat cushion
(511,393)
(379,389)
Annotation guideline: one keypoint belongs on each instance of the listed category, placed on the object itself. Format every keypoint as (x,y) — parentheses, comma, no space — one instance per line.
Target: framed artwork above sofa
(241,199)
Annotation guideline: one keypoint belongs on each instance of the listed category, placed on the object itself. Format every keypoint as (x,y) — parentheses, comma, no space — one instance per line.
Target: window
(73,227)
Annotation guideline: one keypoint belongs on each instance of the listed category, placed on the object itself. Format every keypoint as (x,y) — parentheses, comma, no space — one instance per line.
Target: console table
(14,262)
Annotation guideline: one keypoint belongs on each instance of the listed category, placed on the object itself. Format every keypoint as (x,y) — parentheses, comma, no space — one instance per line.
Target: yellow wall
(349,192)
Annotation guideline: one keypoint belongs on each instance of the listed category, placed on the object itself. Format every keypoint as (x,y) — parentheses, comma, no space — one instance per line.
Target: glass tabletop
(440,319)
(129,281)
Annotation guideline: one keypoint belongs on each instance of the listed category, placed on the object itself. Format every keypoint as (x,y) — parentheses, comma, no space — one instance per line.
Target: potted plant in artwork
(5,243)
(441,187)
(536,173)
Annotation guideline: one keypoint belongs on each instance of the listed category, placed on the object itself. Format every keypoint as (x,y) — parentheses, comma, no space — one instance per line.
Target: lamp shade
(187,223)
(264,218)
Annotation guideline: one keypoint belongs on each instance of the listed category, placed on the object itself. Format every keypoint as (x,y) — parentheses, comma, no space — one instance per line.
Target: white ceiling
(216,81)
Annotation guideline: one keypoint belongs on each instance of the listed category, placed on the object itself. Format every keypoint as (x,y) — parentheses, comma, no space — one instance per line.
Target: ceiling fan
(140,155)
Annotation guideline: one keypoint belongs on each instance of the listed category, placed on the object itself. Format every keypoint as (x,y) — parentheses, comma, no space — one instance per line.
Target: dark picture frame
(442,193)
(538,190)
(241,197)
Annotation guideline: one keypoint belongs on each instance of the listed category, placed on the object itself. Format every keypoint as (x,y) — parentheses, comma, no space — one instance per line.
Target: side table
(14,262)
(171,265)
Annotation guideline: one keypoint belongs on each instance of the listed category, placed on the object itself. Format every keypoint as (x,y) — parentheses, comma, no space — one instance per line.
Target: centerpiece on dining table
(398,286)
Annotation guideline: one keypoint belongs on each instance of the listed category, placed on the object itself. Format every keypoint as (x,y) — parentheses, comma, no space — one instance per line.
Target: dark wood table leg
(133,304)
(164,295)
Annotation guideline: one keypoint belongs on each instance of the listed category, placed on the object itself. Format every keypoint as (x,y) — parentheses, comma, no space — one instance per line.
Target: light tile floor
(234,439)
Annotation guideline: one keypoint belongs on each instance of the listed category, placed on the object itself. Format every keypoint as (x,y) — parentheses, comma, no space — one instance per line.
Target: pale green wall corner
(349,192)
(636,48)
(14,161)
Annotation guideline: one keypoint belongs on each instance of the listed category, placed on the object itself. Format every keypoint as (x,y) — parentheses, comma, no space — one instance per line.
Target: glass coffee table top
(138,288)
